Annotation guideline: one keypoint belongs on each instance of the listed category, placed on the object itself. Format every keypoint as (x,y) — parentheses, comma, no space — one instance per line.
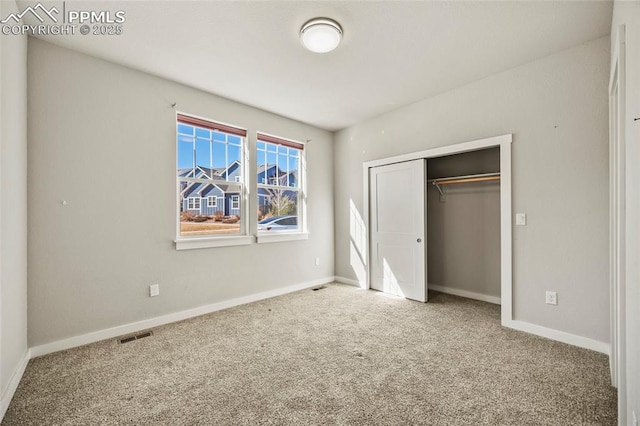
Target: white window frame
(191,203)
(215,201)
(235,202)
(301,233)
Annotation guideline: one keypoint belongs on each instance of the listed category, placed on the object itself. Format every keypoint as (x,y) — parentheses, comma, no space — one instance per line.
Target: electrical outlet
(551,298)
(317,261)
(154,290)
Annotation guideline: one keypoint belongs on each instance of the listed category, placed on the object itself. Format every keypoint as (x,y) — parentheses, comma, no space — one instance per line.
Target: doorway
(463,224)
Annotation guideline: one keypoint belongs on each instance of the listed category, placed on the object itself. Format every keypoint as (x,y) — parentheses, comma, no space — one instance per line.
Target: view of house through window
(210,178)
(278,174)
(211,182)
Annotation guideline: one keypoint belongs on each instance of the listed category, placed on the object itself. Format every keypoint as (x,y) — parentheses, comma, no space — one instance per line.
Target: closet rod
(464,179)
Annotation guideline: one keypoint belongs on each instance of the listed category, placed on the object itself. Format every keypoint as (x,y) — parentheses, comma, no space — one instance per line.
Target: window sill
(282,236)
(210,242)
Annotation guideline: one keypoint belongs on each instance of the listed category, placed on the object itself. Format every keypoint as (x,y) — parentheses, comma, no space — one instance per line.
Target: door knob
(419,240)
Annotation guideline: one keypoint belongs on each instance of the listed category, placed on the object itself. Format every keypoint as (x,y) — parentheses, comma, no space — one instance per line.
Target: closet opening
(466,235)
(463,224)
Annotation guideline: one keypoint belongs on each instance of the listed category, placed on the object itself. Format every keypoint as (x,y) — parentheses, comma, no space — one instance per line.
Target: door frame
(617,219)
(506,255)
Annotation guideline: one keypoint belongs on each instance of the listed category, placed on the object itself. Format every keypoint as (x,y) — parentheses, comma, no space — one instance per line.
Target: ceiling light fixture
(321,35)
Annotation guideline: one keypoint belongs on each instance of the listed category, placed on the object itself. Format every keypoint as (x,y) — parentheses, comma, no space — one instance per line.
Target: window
(209,166)
(193,203)
(279,184)
(235,202)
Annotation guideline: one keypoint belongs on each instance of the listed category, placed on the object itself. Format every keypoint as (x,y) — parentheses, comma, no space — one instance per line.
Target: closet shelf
(484,177)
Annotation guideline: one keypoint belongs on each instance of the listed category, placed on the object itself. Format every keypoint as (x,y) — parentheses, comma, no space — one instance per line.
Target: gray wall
(556,107)
(13,199)
(102,137)
(463,231)
(628,13)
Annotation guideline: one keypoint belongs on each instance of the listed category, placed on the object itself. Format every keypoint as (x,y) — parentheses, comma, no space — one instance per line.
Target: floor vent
(318,288)
(136,337)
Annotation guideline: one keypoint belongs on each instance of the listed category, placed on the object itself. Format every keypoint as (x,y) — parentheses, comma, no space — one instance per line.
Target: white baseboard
(549,333)
(348,281)
(10,390)
(464,293)
(109,333)
(560,336)
(120,330)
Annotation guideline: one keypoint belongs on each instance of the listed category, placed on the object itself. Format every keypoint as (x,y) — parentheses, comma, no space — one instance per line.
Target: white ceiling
(393,52)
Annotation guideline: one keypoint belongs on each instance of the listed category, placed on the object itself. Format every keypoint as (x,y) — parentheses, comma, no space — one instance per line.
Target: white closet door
(398,243)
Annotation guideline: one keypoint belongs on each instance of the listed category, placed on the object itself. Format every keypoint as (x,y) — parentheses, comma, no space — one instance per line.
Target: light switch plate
(154,290)
(521,219)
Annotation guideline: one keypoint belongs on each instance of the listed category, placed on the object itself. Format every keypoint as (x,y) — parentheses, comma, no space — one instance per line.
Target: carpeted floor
(339,355)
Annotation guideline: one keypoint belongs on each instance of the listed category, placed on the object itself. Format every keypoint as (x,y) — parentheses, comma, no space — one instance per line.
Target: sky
(217,150)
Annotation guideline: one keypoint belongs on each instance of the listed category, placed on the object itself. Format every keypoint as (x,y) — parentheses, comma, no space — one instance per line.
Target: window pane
(234,169)
(212,205)
(261,154)
(271,159)
(203,154)
(209,209)
(293,172)
(185,154)
(282,164)
(185,129)
(272,205)
(220,155)
(278,165)
(203,133)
